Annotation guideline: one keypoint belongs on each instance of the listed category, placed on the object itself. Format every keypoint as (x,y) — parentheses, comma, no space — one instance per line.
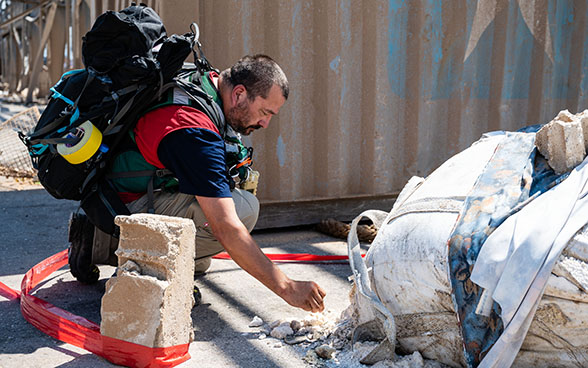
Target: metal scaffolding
(40,39)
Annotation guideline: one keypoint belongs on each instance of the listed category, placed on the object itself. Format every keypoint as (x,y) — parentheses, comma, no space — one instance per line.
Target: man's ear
(238,94)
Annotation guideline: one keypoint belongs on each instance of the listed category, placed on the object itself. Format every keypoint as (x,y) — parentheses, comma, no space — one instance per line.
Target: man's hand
(232,234)
(306,295)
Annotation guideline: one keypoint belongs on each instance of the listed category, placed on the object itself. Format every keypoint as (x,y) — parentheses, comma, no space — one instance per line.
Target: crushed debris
(324,341)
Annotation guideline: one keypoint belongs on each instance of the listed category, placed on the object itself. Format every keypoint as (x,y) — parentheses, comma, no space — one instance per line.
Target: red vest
(156,124)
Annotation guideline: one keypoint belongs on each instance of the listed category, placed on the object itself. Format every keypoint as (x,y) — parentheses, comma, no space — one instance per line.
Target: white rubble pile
(313,328)
(325,340)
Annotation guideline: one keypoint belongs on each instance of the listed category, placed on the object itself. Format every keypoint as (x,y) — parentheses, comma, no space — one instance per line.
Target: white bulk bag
(408,273)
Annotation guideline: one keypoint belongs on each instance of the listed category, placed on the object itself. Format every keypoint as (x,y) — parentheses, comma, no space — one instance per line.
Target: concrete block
(561,141)
(583,117)
(150,300)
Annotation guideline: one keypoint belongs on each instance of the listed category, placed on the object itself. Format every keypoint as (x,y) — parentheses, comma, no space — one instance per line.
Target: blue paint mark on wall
(436,28)
(560,12)
(334,64)
(443,62)
(281,151)
(584,73)
(435,17)
(518,54)
(293,25)
(345,30)
(295,15)
(396,5)
(345,25)
(479,66)
(397,33)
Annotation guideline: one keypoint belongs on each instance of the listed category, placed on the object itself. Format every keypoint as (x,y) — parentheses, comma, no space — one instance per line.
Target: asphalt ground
(33,226)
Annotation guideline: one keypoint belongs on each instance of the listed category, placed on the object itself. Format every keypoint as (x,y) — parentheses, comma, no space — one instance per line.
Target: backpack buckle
(160,173)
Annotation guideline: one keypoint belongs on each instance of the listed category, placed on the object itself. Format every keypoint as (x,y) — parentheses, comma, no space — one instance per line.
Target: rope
(338,229)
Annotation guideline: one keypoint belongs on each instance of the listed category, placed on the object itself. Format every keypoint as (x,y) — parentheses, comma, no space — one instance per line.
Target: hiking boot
(197,297)
(81,237)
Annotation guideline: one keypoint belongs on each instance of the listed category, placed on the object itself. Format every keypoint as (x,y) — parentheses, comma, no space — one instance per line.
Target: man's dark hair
(258,73)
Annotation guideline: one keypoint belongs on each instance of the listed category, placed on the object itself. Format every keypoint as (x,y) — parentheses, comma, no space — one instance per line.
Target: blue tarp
(513,174)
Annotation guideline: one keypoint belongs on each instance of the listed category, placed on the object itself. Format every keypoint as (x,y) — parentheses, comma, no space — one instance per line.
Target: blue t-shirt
(196,156)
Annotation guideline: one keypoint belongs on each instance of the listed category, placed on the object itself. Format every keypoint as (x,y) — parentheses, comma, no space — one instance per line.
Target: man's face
(245,116)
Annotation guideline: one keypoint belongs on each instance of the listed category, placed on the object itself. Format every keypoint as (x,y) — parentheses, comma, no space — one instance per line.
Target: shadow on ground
(34,227)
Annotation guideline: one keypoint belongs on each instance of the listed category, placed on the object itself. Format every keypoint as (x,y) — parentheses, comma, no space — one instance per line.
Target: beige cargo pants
(181,205)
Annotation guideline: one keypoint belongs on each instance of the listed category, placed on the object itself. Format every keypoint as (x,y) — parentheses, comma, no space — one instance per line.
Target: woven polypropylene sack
(409,273)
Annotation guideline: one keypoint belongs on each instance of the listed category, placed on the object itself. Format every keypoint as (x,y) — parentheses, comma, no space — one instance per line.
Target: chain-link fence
(14,157)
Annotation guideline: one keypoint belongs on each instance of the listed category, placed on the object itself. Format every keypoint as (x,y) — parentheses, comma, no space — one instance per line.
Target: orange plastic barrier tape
(8,292)
(78,331)
(294,257)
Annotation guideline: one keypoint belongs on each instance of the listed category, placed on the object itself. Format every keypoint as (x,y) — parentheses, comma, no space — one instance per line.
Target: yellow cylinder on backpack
(85,148)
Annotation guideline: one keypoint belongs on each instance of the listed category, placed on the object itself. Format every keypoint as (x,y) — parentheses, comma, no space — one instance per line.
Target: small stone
(265,329)
(256,322)
(284,324)
(278,345)
(303,331)
(295,325)
(262,336)
(281,331)
(275,323)
(294,339)
(325,351)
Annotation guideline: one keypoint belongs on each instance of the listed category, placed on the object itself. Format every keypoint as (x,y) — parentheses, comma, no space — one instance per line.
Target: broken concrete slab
(150,300)
(583,117)
(562,142)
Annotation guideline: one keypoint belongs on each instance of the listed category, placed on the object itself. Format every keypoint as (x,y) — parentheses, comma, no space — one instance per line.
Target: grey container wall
(383,90)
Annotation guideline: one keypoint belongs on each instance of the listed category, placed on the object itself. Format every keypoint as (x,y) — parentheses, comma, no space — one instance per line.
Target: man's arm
(234,237)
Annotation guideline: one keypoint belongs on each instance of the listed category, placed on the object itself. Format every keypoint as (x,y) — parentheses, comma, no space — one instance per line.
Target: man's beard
(239,117)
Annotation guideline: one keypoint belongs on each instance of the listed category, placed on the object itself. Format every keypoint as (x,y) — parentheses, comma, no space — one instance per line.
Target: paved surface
(33,226)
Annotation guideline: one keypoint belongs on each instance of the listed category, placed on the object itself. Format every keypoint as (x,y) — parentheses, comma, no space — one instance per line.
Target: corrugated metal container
(383,90)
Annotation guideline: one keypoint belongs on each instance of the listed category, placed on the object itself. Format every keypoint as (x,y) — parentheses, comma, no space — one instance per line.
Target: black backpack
(129,63)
